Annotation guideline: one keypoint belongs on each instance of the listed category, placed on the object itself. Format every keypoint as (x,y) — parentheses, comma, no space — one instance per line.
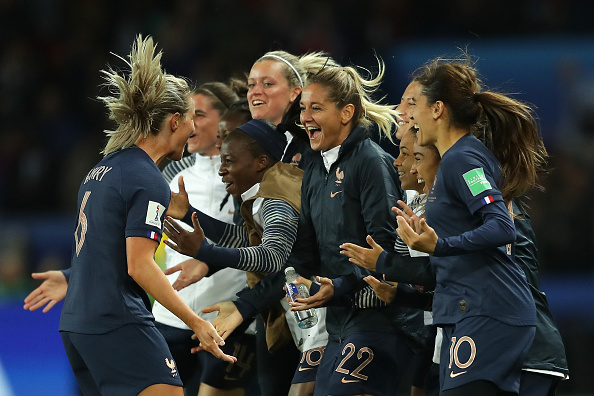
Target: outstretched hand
(181,240)
(317,300)
(179,204)
(210,340)
(52,290)
(192,271)
(228,318)
(384,292)
(363,257)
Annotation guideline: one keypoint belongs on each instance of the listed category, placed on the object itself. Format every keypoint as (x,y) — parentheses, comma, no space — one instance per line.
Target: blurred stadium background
(51,130)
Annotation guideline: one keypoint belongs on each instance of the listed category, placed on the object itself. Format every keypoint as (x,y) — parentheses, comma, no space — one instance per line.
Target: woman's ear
(437,109)
(295,93)
(262,163)
(346,114)
(174,121)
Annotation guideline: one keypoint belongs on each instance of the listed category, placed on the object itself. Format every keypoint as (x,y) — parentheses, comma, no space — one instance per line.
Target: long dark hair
(505,125)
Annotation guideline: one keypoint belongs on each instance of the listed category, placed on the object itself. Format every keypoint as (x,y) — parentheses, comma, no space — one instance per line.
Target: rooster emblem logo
(338,182)
(296,159)
(171,365)
(339,176)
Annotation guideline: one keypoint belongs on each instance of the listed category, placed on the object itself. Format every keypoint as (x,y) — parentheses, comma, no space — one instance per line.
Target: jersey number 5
(82,224)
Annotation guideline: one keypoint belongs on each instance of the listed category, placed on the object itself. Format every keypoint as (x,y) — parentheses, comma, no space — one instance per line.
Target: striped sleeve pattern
(417,205)
(174,167)
(280,230)
(400,247)
(234,236)
(366,298)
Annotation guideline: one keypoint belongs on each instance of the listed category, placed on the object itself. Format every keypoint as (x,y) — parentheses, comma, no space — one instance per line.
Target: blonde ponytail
(347,86)
(141,101)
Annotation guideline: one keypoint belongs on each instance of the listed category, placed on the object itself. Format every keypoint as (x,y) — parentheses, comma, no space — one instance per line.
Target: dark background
(51,125)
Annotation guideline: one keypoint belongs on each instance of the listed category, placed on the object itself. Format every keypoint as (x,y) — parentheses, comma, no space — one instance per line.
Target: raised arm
(279,232)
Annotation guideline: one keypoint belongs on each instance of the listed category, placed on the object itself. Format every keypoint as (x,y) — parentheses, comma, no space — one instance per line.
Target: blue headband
(268,137)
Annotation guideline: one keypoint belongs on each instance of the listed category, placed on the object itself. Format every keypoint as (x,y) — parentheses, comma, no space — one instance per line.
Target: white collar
(330,157)
(253,190)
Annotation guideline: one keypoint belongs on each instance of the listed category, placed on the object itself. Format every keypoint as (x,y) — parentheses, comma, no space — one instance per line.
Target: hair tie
(288,64)
(475,97)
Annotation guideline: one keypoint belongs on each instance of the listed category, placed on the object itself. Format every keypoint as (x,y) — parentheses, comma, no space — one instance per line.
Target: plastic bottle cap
(289,269)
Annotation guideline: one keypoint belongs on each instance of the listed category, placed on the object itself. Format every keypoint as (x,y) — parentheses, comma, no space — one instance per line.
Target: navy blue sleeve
(270,289)
(380,264)
(407,269)
(147,197)
(213,229)
(217,256)
(473,177)
(378,194)
(66,273)
(497,230)
(264,293)
(343,285)
(305,256)
(407,296)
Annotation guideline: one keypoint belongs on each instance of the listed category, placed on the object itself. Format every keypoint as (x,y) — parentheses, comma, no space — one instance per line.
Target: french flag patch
(487,200)
(152,235)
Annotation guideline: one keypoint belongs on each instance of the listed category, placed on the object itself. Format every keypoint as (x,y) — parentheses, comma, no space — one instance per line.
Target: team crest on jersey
(338,182)
(476,181)
(153,214)
(296,159)
(171,365)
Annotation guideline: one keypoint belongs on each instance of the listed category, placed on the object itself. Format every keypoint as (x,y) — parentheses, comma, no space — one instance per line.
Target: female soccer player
(200,171)
(106,324)
(404,266)
(345,192)
(482,300)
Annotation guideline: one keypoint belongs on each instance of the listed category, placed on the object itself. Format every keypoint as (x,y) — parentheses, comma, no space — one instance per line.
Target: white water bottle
(308,317)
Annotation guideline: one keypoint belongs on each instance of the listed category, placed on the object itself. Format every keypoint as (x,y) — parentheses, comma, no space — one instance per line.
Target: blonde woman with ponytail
(347,192)
(106,324)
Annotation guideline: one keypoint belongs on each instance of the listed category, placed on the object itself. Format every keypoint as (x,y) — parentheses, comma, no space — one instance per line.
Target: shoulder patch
(476,181)
(153,214)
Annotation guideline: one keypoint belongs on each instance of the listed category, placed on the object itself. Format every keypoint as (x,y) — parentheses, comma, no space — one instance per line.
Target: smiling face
(239,170)
(326,125)
(426,163)
(269,94)
(422,113)
(404,163)
(404,109)
(206,122)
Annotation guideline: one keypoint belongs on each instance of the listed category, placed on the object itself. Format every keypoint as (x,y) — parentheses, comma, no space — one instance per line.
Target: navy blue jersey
(483,279)
(125,195)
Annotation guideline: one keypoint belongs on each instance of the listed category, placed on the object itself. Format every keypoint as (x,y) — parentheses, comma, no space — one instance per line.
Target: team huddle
(422,266)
